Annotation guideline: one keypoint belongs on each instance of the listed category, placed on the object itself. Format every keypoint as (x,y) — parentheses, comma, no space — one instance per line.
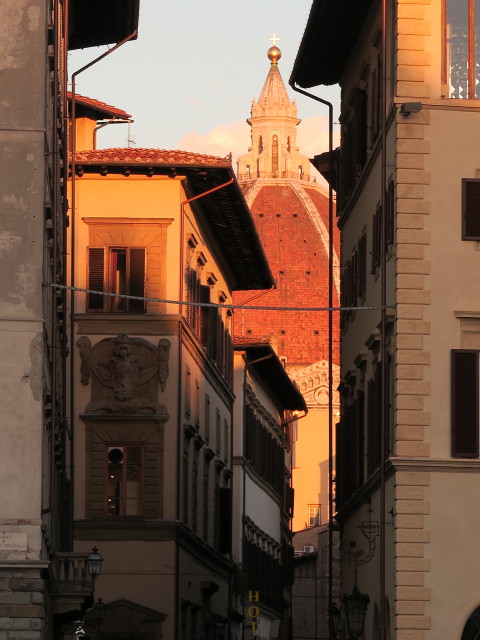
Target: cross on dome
(274,39)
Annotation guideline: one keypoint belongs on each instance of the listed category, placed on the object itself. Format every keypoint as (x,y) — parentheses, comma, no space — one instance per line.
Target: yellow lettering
(253,611)
(253,596)
(254,626)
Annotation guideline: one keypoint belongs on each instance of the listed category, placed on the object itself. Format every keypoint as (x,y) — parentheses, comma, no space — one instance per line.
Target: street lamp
(335,619)
(355,604)
(99,610)
(94,563)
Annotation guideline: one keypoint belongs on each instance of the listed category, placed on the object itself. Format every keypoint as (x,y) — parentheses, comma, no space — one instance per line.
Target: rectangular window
(362,266)
(465,395)
(462,56)
(124,480)
(376,100)
(314,515)
(116,270)
(192,294)
(390,214)
(470,209)
(376,239)
(217,432)
(207,418)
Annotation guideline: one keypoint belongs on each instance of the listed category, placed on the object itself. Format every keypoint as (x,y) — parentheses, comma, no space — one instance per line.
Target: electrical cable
(211,304)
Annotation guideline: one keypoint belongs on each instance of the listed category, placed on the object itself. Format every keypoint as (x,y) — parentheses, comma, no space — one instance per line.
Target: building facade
(266,399)
(406,175)
(291,216)
(35,472)
(160,411)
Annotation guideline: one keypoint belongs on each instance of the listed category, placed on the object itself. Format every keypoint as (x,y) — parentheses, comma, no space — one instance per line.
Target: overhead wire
(211,304)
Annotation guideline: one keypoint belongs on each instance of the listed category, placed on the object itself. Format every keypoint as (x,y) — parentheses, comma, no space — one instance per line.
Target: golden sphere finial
(274,54)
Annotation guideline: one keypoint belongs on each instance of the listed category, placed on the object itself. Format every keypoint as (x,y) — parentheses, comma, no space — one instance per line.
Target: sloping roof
(330,35)
(98,106)
(262,358)
(168,157)
(225,211)
(92,23)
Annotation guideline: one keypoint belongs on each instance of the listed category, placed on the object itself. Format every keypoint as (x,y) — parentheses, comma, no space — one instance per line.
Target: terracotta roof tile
(103,107)
(154,156)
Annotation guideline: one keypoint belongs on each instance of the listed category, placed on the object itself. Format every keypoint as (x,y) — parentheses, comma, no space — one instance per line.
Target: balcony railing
(70,582)
(254,175)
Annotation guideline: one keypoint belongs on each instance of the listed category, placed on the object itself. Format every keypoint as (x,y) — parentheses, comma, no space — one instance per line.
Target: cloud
(231,138)
(234,138)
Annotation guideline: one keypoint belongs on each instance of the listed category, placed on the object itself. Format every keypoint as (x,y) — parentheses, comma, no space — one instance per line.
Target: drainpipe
(383,346)
(72,241)
(330,343)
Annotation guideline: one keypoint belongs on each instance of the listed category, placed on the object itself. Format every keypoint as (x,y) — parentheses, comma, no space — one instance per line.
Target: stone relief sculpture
(125,373)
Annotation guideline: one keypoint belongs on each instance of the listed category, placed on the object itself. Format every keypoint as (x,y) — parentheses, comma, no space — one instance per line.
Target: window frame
(465,427)
(471,86)
(314,515)
(124,480)
(470,225)
(109,302)
(149,234)
(103,433)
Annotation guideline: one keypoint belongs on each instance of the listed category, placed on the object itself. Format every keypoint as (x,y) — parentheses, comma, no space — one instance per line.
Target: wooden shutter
(339,463)
(225,520)
(137,278)
(359,437)
(362,266)
(470,209)
(96,278)
(360,129)
(349,454)
(465,381)
(188,309)
(204,296)
(390,217)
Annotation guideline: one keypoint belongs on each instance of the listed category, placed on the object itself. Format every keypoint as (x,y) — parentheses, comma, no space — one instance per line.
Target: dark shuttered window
(137,278)
(119,270)
(470,209)
(96,277)
(465,380)
(362,266)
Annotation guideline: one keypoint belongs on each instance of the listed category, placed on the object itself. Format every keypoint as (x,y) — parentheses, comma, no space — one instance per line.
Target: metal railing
(254,175)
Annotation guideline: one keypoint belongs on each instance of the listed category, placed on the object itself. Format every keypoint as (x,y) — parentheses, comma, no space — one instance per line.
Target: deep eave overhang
(327,43)
(92,23)
(272,374)
(225,211)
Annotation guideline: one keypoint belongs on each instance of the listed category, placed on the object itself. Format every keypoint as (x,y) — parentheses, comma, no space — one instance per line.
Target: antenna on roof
(130,138)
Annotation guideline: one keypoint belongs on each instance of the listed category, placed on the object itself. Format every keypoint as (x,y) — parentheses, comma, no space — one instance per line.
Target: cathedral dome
(291,215)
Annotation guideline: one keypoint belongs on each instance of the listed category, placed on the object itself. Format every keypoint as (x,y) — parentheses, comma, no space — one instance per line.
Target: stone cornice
(445,465)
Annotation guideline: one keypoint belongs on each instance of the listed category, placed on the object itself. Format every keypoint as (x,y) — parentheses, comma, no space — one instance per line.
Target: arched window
(260,144)
(274,154)
(471,631)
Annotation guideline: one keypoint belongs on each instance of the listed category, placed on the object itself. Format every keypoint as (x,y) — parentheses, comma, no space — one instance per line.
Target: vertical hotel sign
(253,612)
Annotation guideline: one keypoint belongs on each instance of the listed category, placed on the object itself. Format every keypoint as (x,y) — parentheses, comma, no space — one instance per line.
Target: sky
(189,79)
